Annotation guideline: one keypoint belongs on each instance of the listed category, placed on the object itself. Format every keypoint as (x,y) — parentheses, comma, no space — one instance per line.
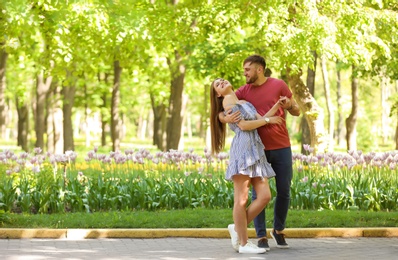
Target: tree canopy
(156,57)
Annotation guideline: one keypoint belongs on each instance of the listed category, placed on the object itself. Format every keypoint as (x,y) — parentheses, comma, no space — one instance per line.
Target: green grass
(195,218)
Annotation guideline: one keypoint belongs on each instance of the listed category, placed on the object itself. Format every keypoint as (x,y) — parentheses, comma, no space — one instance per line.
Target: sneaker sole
(283,247)
(266,248)
(260,252)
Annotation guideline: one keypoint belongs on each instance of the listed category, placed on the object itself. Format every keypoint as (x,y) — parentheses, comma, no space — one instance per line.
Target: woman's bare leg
(241,193)
(263,192)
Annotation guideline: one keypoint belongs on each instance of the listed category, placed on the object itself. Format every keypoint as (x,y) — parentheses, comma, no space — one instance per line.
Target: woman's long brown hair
(218,129)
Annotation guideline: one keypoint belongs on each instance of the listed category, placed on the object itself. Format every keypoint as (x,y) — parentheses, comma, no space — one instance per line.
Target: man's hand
(232,117)
(276,120)
(285,102)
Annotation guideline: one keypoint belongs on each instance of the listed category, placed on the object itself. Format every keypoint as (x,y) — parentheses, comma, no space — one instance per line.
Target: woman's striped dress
(246,155)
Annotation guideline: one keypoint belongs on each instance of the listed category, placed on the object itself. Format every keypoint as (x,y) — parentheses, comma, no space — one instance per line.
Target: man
(263,92)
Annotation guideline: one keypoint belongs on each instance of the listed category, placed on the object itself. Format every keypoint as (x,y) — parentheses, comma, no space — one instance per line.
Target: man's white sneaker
(251,248)
(234,237)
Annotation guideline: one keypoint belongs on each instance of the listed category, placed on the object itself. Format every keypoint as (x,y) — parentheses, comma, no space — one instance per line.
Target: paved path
(195,248)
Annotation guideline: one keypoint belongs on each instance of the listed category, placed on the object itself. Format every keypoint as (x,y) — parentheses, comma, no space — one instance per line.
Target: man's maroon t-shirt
(263,97)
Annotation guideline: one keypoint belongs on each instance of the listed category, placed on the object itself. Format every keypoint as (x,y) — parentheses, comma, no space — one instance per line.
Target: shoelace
(250,244)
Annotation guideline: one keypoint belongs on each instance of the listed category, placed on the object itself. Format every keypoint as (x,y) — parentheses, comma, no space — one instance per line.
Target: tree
(305,130)
(329,105)
(3,110)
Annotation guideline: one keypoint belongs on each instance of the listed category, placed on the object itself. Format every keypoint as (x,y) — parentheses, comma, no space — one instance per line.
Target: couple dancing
(255,154)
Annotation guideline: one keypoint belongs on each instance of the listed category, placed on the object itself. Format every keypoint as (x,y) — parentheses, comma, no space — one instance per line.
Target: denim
(281,162)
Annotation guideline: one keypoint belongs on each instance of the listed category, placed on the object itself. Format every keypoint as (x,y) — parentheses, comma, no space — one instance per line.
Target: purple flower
(20,161)
(35,169)
(23,155)
(8,153)
(52,159)
(91,155)
(120,159)
(107,160)
(222,156)
(71,155)
(61,158)
(393,166)
(129,151)
(37,150)
(34,160)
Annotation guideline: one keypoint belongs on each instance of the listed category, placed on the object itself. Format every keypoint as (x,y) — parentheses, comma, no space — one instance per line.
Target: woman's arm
(270,112)
(251,124)
(273,110)
(254,124)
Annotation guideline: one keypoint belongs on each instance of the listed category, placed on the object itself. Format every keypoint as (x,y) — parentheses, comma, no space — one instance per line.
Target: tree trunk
(351,121)
(329,105)
(174,121)
(54,117)
(305,130)
(86,119)
(310,109)
(396,136)
(159,118)
(3,110)
(184,119)
(42,88)
(142,126)
(385,109)
(340,122)
(68,94)
(204,115)
(104,107)
(23,124)
(396,127)
(115,125)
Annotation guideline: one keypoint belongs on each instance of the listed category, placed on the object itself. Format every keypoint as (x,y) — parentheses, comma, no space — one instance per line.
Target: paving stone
(178,248)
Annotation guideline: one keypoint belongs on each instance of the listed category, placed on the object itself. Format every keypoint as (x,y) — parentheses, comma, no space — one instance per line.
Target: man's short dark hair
(256,59)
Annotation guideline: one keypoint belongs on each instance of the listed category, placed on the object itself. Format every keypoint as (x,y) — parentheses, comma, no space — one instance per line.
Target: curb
(74,234)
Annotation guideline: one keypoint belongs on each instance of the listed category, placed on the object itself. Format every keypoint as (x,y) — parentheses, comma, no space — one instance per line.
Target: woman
(247,164)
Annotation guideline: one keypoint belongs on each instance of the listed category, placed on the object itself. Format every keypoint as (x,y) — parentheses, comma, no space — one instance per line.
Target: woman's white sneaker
(251,248)
(234,237)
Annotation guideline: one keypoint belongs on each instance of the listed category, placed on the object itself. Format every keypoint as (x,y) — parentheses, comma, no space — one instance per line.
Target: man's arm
(294,109)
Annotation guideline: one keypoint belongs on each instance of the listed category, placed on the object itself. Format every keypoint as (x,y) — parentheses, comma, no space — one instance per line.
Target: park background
(81,78)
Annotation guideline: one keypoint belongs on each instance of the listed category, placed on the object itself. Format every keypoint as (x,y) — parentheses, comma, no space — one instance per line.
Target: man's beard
(251,80)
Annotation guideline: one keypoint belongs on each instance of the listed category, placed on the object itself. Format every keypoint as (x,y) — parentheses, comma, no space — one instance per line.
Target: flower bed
(139,180)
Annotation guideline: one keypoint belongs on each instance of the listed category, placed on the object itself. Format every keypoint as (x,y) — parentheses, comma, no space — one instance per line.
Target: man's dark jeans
(281,162)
